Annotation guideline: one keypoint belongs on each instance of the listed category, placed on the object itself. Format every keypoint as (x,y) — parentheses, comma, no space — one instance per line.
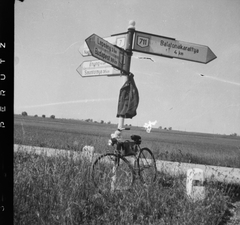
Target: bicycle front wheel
(146,166)
(112,172)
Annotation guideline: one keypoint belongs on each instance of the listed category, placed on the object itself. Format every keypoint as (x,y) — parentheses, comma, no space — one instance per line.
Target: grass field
(58,190)
(209,149)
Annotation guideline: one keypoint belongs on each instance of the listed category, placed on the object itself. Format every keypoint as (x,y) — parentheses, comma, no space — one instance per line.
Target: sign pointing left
(107,52)
(93,68)
(118,39)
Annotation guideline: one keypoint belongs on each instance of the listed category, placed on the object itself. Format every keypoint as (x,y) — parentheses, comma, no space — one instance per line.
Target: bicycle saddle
(136,138)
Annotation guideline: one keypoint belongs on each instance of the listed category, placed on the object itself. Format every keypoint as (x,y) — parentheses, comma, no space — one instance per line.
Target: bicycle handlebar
(124,128)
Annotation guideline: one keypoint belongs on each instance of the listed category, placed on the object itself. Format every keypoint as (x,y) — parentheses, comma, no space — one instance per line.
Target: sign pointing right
(169,47)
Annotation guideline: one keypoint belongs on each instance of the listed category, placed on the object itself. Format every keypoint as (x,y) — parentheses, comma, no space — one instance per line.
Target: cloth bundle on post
(128,99)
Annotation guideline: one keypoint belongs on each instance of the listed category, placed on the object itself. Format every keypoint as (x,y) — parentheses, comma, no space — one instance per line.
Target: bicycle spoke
(111,172)
(147,166)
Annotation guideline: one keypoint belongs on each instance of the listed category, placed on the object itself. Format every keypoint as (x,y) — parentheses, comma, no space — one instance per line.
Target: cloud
(221,80)
(68,102)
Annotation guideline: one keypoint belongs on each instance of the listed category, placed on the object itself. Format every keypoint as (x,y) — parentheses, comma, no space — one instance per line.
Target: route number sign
(169,47)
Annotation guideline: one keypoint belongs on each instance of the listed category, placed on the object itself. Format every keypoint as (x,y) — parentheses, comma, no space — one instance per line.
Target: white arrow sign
(118,39)
(169,47)
(93,68)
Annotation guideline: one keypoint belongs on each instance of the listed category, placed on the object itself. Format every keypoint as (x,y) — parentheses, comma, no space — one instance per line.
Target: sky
(49,35)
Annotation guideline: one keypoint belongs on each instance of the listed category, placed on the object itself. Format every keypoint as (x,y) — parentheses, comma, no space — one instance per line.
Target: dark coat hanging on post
(128,99)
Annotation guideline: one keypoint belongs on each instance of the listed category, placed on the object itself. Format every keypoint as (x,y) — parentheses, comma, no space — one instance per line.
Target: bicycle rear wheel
(112,172)
(147,169)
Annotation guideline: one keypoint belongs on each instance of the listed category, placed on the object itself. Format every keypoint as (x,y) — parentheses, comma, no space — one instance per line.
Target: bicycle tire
(147,169)
(112,172)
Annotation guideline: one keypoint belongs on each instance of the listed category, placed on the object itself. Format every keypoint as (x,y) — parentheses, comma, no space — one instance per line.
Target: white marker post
(129,41)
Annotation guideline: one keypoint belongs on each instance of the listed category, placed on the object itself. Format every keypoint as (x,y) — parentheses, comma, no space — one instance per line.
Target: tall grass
(58,190)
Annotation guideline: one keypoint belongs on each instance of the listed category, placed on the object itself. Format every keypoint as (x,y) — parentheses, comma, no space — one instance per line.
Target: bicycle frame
(129,152)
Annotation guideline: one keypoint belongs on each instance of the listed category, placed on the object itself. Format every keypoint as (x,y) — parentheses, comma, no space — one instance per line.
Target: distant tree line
(43,116)
(109,122)
(165,128)
(102,121)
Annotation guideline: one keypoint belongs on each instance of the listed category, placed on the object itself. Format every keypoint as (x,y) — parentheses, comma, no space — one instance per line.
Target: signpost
(107,52)
(93,68)
(169,47)
(114,53)
(118,39)
(111,54)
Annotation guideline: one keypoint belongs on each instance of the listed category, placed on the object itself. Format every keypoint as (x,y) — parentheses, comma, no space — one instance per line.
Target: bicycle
(118,170)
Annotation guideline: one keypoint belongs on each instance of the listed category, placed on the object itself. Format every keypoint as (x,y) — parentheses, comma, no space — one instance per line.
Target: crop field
(58,190)
(208,149)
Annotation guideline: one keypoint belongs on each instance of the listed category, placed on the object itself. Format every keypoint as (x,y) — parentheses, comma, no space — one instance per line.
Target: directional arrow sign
(118,39)
(169,47)
(107,52)
(93,68)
